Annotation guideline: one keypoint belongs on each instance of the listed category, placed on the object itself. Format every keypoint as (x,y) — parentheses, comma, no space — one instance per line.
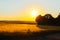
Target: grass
(49,27)
(26,36)
(35,35)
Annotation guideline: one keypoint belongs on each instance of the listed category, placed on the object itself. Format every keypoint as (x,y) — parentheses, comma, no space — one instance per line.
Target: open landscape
(29,19)
(10,31)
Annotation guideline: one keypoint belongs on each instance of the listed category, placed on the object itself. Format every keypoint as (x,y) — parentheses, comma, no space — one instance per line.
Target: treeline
(48,20)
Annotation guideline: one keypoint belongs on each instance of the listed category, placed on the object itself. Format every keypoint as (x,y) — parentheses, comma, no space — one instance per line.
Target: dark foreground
(42,35)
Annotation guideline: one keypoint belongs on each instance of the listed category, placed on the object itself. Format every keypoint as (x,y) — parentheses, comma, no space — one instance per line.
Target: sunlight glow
(34,13)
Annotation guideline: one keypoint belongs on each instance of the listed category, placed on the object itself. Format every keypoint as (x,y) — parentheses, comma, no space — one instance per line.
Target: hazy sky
(12,9)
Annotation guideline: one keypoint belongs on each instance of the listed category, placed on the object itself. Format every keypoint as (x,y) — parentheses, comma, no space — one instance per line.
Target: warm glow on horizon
(27,10)
(29,13)
(32,11)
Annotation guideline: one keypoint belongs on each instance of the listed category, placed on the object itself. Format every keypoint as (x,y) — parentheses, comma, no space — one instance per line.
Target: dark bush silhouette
(57,20)
(39,19)
(48,20)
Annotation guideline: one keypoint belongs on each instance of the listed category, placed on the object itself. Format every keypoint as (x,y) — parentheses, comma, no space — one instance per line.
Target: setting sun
(34,13)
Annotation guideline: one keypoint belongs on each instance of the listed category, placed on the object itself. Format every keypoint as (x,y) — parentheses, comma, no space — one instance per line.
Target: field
(18,27)
(28,32)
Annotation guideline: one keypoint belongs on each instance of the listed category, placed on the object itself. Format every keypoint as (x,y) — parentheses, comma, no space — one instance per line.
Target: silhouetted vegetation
(48,20)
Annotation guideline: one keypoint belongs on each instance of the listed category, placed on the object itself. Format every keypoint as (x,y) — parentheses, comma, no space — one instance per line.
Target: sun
(34,13)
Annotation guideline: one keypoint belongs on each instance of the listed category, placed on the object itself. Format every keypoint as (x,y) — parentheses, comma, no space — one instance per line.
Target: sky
(19,9)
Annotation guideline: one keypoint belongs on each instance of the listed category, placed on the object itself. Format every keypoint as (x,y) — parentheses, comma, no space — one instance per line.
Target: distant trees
(48,20)
(39,19)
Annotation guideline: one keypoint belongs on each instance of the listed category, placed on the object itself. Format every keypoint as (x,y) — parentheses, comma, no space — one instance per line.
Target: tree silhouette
(45,20)
(48,19)
(57,20)
(39,19)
